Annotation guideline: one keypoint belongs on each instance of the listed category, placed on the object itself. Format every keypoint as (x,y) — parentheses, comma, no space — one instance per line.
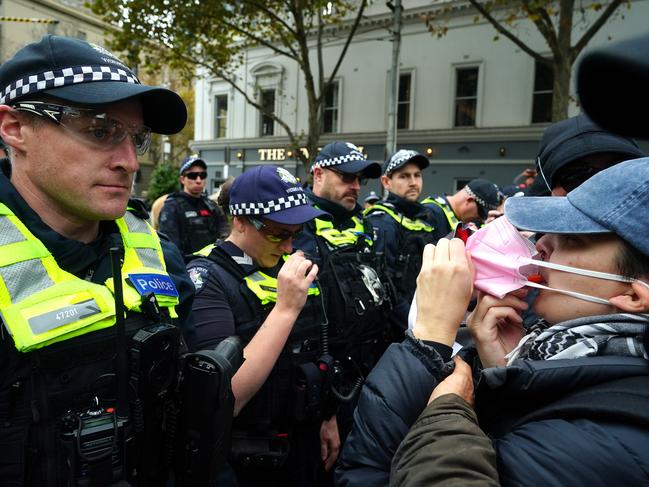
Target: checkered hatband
(479,200)
(335,161)
(268,207)
(399,158)
(64,77)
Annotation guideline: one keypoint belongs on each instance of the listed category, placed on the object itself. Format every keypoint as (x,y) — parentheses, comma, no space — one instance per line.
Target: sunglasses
(89,126)
(274,236)
(349,178)
(574,176)
(196,175)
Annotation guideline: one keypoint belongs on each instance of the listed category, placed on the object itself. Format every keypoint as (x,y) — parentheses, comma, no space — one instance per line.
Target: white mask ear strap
(582,272)
(584,297)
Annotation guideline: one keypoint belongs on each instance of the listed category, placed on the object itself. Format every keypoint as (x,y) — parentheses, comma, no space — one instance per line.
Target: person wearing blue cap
(564,402)
(75,119)
(359,295)
(189,218)
(402,224)
(471,204)
(245,286)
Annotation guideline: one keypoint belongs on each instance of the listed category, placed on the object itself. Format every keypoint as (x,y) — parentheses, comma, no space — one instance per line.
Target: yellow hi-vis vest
(262,285)
(41,304)
(339,238)
(448,211)
(265,287)
(407,223)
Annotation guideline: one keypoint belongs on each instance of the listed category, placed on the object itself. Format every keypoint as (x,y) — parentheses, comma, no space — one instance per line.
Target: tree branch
(499,27)
(285,36)
(597,25)
(291,54)
(262,6)
(352,32)
(220,73)
(544,25)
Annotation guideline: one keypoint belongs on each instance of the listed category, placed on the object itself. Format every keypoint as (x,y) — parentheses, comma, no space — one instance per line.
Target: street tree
(164,180)
(210,38)
(555,21)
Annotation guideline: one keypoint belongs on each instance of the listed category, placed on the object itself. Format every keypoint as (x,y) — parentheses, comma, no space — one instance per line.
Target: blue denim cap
(403,157)
(615,200)
(191,161)
(273,193)
(86,74)
(346,157)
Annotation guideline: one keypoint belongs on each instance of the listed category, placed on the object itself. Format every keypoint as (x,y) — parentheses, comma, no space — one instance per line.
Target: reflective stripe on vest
(265,287)
(205,251)
(404,221)
(142,256)
(53,305)
(339,238)
(448,211)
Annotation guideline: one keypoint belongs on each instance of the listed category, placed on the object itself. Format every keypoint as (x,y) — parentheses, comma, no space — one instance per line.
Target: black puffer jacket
(558,422)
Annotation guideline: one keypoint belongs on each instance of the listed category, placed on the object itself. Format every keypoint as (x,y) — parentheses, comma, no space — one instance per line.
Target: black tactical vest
(358,291)
(197,230)
(276,408)
(48,393)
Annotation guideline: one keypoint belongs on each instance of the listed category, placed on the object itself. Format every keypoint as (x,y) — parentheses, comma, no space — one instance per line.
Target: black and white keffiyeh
(616,334)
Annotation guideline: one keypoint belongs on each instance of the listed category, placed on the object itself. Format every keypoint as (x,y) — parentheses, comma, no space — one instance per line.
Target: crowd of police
(230,347)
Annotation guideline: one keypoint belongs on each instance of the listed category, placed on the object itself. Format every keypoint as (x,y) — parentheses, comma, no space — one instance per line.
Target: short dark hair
(631,262)
(223,200)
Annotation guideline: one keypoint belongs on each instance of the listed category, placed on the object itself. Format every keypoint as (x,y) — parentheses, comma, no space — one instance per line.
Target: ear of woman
(635,300)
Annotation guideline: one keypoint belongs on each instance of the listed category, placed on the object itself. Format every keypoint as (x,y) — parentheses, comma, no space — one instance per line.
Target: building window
(542,96)
(220,116)
(466,96)
(267,102)
(330,110)
(403,103)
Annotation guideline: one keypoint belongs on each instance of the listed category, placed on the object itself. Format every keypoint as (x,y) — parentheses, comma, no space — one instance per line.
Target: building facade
(476,106)
(25,21)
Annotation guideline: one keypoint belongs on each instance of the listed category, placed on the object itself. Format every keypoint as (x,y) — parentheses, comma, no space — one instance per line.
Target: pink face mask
(504,261)
(502,258)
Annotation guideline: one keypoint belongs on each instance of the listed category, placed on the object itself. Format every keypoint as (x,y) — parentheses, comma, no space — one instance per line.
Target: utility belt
(177,416)
(260,451)
(291,395)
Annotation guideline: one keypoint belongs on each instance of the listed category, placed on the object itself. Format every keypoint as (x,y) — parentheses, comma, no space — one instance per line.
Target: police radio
(98,441)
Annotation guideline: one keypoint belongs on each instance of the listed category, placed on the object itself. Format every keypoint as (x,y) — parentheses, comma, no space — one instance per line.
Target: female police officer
(244,287)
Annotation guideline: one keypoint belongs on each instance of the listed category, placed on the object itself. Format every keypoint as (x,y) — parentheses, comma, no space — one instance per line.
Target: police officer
(471,204)
(188,217)
(370,200)
(75,118)
(400,222)
(352,276)
(244,286)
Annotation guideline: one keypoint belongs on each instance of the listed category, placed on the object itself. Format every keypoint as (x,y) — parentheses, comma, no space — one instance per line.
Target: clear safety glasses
(89,126)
